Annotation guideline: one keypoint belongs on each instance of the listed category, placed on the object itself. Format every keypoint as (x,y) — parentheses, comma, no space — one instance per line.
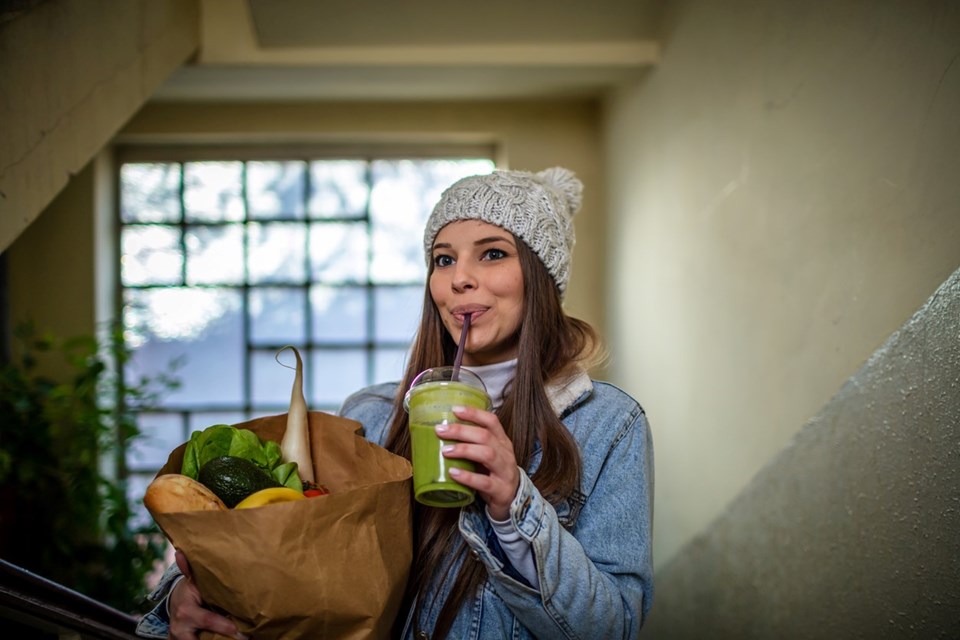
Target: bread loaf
(174,492)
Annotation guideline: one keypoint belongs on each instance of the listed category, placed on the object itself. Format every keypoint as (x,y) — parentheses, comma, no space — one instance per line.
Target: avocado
(232,479)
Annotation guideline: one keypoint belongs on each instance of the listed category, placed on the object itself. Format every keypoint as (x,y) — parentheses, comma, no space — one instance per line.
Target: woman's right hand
(187,613)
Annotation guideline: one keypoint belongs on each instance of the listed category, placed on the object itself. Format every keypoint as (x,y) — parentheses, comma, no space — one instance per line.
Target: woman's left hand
(497,477)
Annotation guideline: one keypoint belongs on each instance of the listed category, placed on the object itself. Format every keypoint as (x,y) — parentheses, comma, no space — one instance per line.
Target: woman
(558,544)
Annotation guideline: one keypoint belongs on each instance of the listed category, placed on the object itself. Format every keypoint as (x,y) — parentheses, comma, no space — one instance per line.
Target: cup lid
(445,374)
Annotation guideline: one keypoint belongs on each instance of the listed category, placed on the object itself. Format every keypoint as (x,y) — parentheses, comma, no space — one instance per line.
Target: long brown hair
(551,345)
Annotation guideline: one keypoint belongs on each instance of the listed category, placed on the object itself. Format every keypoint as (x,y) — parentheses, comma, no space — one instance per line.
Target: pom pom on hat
(564,181)
(537,208)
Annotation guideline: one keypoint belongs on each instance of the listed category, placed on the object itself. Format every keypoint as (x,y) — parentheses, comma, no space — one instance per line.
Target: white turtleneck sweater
(495,378)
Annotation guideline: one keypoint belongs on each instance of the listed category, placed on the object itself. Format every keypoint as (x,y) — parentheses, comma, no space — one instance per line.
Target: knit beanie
(537,208)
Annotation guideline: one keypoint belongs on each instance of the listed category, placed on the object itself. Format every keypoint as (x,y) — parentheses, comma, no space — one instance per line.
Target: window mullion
(310,339)
(182,225)
(245,298)
(369,343)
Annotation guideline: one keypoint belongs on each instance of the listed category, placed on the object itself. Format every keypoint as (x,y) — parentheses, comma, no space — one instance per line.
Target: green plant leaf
(56,435)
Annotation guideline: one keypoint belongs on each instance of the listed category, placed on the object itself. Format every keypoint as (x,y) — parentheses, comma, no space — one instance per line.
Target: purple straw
(463,343)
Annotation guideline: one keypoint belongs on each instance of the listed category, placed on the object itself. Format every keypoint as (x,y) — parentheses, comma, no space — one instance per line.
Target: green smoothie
(430,403)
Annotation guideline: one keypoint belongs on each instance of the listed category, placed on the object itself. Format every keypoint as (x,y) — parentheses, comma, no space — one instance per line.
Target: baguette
(174,492)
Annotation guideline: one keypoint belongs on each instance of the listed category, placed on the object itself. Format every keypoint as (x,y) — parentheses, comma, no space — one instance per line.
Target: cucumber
(232,479)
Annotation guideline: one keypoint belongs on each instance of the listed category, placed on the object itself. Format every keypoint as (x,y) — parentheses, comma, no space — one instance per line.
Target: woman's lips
(474,310)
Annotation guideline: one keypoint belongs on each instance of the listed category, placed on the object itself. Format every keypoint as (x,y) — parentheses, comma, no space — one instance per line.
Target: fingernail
(454,471)
(441,428)
(447,448)
(458,408)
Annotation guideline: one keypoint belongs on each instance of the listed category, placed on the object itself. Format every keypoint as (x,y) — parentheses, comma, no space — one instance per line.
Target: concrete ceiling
(281,50)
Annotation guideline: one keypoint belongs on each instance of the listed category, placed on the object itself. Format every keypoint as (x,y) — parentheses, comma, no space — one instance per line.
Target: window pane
(276,252)
(338,189)
(200,420)
(339,313)
(275,189)
(277,316)
(388,365)
(151,255)
(161,433)
(338,252)
(271,382)
(335,375)
(215,255)
(150,192)
(137,486)
(258,412)
(404,193)
(396,313)
(201,327)
(212,191)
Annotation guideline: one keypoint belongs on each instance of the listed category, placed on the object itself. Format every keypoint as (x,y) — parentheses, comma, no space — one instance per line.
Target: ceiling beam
(230,38)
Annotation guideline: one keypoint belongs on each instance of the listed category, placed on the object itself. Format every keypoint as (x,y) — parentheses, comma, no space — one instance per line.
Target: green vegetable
(233,479)
(224,440)
(286,475)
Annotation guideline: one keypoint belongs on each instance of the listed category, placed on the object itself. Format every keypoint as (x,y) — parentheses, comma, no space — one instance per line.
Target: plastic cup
(429,402)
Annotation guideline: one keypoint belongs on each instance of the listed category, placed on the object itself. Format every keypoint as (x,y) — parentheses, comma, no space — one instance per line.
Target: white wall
(783,195)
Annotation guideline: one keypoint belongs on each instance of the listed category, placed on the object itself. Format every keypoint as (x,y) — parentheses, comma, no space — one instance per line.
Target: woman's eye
(495,254)
(442,261)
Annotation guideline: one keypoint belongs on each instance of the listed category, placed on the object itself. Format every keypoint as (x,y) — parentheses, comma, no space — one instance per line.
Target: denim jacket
(593,551)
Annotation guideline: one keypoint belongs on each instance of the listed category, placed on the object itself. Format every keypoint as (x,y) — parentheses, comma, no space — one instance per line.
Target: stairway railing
(32,601)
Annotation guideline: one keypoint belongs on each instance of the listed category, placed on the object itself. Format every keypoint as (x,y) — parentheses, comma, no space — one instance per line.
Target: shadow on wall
(853,531)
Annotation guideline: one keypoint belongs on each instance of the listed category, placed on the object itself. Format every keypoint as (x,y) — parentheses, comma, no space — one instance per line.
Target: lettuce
(288,475)
(224,440)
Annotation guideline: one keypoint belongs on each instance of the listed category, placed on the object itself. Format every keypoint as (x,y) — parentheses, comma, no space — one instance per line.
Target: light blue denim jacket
(593,552)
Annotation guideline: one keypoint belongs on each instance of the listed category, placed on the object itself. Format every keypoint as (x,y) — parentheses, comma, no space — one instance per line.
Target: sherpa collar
(565,393)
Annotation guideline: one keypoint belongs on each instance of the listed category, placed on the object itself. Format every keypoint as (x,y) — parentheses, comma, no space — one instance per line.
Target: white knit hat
(538,208)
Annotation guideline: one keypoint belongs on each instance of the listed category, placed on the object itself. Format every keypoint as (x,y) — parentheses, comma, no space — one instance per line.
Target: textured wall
(52,264)
(854,530)
(79,70)
(783,196)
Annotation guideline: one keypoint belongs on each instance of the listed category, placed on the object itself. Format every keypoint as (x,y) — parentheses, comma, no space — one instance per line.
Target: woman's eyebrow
(481,241)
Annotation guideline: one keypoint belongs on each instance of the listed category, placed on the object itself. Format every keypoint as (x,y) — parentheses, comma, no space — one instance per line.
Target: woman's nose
(463,278)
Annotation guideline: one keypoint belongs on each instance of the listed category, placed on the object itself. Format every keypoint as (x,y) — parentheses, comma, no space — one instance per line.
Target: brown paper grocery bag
(333,566)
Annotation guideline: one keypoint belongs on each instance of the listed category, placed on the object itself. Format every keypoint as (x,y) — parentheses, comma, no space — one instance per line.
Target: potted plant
(64,512)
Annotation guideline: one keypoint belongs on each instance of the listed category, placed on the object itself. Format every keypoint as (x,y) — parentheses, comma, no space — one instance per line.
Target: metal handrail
(36,601)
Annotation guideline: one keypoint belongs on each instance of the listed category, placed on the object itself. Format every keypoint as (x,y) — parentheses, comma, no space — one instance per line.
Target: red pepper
(313,493)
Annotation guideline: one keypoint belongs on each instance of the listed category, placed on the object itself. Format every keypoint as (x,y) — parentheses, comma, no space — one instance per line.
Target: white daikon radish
(296,441)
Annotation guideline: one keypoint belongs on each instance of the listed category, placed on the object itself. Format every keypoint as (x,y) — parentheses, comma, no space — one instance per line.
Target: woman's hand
(497,477)
(187,613)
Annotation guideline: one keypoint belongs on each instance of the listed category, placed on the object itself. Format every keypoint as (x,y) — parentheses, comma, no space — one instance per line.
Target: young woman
(558,543)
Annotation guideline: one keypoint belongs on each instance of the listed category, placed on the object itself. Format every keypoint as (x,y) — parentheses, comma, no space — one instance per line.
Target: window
(225,261)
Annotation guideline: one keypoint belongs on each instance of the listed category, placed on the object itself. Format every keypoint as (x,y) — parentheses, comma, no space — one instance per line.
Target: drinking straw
(463,342)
